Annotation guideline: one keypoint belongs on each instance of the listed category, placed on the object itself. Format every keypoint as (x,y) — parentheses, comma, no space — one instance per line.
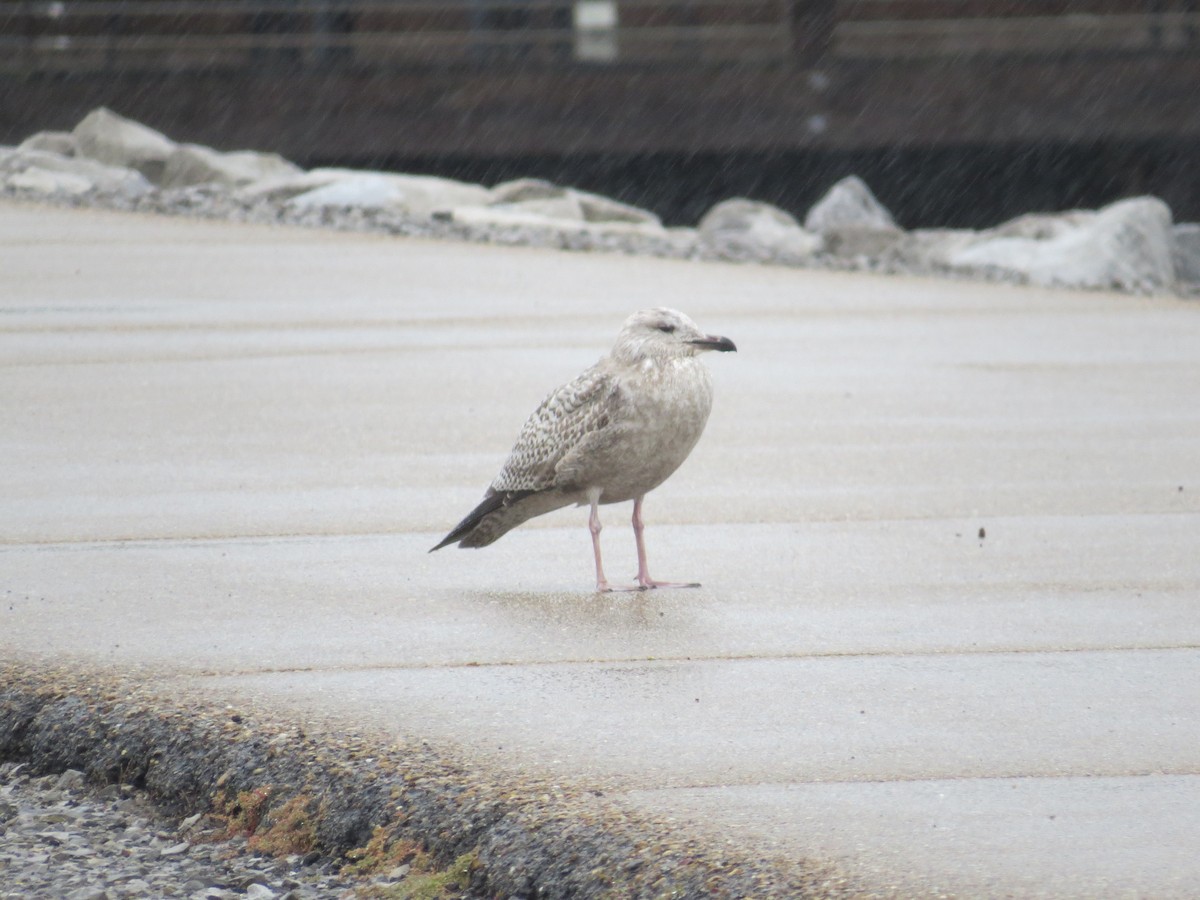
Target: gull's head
(663,333)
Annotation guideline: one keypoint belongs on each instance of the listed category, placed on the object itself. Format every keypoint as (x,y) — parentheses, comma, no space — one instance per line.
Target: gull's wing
(570,415)
(525,487)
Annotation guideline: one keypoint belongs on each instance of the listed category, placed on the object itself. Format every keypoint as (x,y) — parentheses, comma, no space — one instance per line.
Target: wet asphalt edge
(528,840)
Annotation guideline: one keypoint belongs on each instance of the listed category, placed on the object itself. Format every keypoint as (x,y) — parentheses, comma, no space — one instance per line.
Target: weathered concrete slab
(946,533)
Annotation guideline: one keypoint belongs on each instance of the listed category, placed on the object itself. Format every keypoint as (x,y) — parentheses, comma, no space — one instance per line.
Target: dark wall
(946,141)
(969,187)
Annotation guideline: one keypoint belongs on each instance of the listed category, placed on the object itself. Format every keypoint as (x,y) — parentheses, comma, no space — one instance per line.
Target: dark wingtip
(448,539)
(491,502)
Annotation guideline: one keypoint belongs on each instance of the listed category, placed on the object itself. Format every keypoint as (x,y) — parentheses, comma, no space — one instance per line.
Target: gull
(614,433)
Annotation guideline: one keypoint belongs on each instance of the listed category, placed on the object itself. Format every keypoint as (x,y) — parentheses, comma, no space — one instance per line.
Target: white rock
(44,181)
(427,194)
(521,190)
(930,249)
(192,164)
(1043,226)
(282,188)
(533,195)
(1124,246)
(60,142)
(109,138)
(525,214)
(70,780)
(420,195)
(563,208)
(1186,252)
(605,209)
(37,163)
(863,243)
(849,204)
(749,230)
(365,191)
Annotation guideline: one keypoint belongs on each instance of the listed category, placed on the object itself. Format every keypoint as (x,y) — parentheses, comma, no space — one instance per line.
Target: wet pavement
(947,534)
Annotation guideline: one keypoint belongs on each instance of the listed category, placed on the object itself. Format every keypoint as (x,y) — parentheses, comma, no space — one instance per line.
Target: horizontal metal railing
(170,35)
(917,38)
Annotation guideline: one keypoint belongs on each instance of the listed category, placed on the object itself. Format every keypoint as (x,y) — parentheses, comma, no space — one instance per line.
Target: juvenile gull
(613,434)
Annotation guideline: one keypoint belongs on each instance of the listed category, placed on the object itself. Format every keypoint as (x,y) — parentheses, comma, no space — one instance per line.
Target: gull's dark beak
(715,342)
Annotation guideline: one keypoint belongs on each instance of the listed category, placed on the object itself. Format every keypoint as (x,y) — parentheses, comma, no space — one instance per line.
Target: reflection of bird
(613,434)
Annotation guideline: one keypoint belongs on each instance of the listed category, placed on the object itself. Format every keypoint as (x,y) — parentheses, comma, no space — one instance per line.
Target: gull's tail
(499,513)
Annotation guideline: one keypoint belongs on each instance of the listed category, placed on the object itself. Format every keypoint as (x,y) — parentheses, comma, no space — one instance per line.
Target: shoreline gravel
(63,838)
(213,203)
(291,790)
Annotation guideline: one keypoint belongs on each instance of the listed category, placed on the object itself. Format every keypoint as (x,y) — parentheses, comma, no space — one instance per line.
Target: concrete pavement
(947,533)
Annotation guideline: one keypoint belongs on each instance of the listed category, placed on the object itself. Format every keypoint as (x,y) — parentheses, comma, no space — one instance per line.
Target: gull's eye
(665,328)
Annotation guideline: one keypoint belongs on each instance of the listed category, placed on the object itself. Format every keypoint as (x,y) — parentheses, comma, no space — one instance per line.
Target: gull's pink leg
(643,576)
(594,527)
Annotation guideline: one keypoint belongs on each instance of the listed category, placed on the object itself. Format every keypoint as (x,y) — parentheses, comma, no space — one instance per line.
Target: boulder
(522,190)
(863,243)
(427,194)
(553,218)
(1185,252)
(927,250)
(44,181)
(281,188)
(60,142)
(1124,246)
(192,164)
(104,136)
(364,191)
(75,169)
(564,208)
(419,195)
(597,208)
(544,198)
(849,204)
(741,229)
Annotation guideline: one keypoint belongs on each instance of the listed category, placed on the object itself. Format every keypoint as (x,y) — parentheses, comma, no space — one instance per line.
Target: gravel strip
(406,819)
(61,838)
(218,204)
(212,202)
